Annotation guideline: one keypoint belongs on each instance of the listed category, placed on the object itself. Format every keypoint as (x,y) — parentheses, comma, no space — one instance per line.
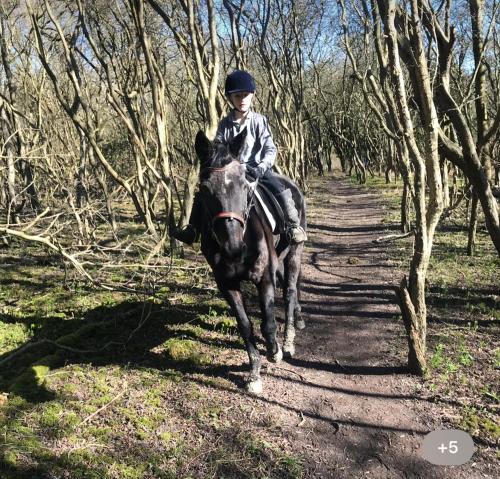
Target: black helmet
(238,81)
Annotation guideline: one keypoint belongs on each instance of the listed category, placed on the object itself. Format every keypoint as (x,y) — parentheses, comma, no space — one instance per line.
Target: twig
(88,418)
(290,371)
(302,421)
(144,318)
(384,239)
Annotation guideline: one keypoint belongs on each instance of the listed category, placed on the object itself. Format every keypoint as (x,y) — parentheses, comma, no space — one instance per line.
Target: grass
(138,389)
(127,430)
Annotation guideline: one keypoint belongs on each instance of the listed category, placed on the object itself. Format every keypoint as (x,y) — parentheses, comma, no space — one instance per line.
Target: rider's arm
(268,154)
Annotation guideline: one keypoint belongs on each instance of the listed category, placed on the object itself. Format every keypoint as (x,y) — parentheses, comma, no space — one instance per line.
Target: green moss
(168,437)
(477,421)
(13,335)
(10,457)
(227,326)
(185,350)
(51,415)
(30,383)
(126,471)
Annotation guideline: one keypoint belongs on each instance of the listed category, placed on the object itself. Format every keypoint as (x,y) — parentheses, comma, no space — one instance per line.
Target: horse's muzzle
(234,253)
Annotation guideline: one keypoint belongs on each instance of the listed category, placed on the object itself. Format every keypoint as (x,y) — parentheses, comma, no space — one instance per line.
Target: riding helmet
(238,81)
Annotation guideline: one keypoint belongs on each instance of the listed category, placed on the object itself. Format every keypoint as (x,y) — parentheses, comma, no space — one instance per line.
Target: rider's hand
(255,172)
(261,168)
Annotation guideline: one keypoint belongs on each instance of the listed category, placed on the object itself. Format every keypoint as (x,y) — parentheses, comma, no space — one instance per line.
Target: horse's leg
(299,320)
(268,325)
(235,300)
(292,272)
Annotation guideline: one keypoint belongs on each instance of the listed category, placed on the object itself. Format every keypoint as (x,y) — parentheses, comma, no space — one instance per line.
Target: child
(258,154)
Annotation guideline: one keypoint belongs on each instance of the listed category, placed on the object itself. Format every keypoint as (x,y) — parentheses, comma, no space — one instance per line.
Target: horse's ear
(237,142)
(202,146)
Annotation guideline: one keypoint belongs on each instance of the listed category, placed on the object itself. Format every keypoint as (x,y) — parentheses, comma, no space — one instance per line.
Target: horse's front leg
(235,300)
(268,328)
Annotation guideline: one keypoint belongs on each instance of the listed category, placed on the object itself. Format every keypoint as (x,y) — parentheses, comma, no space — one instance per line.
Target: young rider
(258,154)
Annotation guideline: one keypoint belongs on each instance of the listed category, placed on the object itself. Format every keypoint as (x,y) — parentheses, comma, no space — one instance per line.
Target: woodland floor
(343,407)
(345,399)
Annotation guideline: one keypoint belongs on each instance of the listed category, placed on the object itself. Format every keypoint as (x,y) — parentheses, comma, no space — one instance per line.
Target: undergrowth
(108,384)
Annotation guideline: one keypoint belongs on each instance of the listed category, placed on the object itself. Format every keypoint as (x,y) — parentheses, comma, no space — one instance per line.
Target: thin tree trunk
(446,186)
(471,242)
(406,208)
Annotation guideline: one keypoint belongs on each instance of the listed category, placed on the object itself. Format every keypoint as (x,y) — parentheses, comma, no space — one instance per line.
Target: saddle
(271,209)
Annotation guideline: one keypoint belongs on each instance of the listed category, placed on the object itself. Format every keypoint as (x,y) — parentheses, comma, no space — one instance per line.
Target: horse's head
(224,192)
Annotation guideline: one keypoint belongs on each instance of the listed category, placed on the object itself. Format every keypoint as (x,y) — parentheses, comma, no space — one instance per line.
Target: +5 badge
(447,447)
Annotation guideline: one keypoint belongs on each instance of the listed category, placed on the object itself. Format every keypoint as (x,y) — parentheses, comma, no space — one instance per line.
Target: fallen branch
(302,378)
(55,247)
(95,413)
(32,345)
(71,258)
(384,239)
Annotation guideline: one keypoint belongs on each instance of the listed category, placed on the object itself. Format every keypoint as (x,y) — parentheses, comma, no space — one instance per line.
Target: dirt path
(345,401)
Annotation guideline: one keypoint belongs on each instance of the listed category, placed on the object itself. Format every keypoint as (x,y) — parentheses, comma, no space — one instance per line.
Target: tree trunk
(12,200)
(406,208)
(471,242)
(446,186)
(415,326)
(189,191)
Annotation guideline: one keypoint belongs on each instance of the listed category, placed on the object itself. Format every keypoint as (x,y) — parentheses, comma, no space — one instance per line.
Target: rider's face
(242,101)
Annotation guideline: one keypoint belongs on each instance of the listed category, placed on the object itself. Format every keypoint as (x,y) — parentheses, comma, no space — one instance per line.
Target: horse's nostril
(234,253)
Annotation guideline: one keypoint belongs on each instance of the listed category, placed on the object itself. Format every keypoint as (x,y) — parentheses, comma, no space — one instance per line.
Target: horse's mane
(219,155)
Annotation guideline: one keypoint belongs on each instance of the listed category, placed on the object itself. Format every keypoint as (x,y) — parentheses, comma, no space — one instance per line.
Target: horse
(239,245)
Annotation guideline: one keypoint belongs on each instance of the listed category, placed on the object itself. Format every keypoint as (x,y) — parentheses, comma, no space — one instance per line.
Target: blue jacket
(258,150)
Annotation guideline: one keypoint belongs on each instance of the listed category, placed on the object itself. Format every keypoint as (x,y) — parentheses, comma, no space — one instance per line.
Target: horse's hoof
(254,387)
(276,357)
(300,324)
(288,350)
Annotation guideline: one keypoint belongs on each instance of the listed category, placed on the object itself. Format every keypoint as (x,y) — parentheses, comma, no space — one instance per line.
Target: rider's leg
(284,196)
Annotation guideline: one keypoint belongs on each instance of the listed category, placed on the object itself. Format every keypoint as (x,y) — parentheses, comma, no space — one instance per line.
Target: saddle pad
(265,209)
(270,208)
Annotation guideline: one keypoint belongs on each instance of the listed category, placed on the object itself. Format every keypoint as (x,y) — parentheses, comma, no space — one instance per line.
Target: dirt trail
(345,401)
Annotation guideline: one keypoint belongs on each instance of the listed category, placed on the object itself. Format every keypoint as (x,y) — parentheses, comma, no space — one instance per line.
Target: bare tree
(476,135)
(18,126)
(124,77)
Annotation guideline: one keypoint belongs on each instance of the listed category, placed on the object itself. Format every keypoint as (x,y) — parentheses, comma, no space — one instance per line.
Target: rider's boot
(189,233)
(295,232)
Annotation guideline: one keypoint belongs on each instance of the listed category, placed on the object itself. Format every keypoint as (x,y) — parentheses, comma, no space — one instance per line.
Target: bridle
(229,215)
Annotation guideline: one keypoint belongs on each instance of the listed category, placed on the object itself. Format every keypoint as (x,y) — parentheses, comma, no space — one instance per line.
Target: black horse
(238,243)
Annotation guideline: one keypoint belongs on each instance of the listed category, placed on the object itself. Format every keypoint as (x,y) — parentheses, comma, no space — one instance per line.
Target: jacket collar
(232,116)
